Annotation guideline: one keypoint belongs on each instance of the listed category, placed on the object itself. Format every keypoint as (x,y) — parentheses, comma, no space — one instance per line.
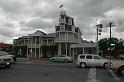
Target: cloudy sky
(23,17)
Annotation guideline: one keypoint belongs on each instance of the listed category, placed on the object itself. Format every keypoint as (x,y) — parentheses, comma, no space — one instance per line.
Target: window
(89,57)
(62,17)
(57,35)
(37,40)
(70,21)
(67,19)
(82,57)
(57,28)
(76,30)
(67,27)
(50,41)
(62,27)
(97,57)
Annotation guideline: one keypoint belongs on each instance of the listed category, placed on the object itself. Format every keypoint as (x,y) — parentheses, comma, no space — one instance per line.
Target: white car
(85,60)
(62,58)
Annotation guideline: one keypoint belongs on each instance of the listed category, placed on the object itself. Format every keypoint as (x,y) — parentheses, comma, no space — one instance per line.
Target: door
(89,60)
(97,60)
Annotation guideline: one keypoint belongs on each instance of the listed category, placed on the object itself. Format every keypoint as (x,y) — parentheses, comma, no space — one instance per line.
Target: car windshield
(97,57)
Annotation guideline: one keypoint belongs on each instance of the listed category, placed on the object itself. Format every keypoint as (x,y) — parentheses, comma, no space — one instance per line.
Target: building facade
(5,47)
(66,40)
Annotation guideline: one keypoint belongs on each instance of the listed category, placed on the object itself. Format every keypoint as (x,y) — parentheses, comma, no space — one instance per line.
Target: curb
(115,77)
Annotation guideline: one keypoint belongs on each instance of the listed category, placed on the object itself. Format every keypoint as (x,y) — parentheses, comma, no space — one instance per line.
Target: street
(46,71)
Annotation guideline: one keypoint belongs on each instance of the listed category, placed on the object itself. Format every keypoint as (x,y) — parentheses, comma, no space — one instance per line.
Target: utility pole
(97,40)
(98,30)
(110,25)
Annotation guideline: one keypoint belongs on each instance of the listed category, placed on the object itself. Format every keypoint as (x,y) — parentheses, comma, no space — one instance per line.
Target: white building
(66,40)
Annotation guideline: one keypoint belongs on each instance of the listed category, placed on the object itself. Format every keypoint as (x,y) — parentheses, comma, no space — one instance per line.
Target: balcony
(69,40)
(61,21)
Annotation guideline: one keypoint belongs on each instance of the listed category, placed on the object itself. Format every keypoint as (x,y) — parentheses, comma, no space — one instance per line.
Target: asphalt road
(46,71)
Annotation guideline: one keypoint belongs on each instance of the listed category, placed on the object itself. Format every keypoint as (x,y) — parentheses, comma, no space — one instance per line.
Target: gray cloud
(36,23)
(11,6)
(8,32)
(20,17)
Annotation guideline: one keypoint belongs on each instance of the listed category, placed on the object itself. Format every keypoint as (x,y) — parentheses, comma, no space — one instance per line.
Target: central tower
(66,34)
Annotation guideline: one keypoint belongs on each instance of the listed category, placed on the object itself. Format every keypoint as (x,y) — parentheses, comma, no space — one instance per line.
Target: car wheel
(83,65)
(121,70)
(66,60)
(52,60)
(105,65)
(8,65)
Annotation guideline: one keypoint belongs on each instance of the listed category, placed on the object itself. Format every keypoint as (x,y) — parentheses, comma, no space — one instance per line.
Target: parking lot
(46,71)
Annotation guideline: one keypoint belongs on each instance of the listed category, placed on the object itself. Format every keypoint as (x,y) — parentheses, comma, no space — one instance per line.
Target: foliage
(51,49)
(20,51)
(105,44)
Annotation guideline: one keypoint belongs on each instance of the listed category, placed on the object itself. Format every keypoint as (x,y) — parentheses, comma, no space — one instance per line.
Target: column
(67,36)
(31,47)
(24,42)
(83,49)
(41,53)
(59,48)
(59,36)
(73,52)
(35,47)
(73,38)
(47,41)
(27,51)
(70,51)
(66,47)
(39,47)
(27,47)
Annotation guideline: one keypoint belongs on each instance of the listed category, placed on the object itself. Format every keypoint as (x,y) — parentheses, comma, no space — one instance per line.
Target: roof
(23,37)
(38,33)
(3,45)
(50,35)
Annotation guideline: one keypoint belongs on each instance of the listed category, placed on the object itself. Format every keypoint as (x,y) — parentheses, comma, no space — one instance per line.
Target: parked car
(85,60)
(5,60)
(62,58)
(9,55)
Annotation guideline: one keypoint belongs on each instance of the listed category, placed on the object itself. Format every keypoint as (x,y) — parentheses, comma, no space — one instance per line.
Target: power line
(118,26)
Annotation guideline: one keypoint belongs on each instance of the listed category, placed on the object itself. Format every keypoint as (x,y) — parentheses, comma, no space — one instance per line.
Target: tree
(105,44)
(52,49)
(20,51)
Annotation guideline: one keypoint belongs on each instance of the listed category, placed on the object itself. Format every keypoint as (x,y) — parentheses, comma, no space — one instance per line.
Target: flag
(61,6)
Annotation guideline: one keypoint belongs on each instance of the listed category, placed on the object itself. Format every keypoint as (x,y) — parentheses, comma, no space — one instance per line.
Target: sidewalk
(28,60)
(22,60)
